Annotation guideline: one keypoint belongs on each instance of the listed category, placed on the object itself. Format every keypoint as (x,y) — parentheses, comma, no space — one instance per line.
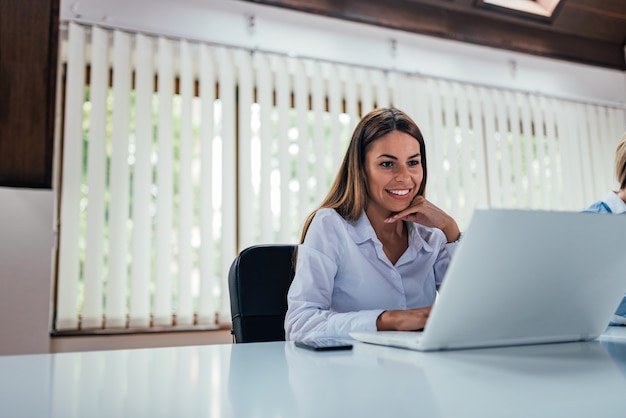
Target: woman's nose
(402,174)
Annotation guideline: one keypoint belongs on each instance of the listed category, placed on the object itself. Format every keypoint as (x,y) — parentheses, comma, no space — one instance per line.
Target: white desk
(280,380)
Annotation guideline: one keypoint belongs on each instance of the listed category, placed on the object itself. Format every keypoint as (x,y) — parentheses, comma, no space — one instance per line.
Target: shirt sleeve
(445,253)
(450,247)
(309,299)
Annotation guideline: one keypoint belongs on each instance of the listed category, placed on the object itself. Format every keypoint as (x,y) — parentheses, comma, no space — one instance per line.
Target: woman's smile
(399,193)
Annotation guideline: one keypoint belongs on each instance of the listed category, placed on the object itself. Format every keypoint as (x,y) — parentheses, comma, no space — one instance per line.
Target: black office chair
(258,281)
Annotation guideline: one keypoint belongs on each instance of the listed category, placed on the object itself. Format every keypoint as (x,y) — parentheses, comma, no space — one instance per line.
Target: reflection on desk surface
(279,380)
(573,379)
(551,380)
(614,341)
(357,384)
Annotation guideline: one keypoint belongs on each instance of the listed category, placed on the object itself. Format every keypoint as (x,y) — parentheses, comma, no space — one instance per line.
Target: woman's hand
(404,320)
(423,212)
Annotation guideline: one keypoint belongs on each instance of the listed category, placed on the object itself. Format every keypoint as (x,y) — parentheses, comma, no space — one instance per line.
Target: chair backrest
(258,281)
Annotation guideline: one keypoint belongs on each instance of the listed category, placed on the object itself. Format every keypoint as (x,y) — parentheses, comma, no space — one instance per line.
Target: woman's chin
(398,207)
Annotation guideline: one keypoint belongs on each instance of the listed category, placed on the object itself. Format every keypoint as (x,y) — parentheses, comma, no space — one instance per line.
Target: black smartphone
(324,344)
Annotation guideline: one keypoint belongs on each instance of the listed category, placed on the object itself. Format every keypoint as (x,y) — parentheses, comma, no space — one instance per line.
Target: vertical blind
(178,154)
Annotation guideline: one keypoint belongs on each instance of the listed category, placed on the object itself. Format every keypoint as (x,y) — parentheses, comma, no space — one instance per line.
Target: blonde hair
(620,162)
(348,193)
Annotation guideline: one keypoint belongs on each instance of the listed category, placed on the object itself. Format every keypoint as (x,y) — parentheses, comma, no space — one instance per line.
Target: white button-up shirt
(344,279)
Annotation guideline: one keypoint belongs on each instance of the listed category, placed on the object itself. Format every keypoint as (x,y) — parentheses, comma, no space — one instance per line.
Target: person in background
(374,253)
(615,203)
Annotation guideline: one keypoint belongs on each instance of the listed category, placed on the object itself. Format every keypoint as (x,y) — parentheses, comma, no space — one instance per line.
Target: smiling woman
(375,251)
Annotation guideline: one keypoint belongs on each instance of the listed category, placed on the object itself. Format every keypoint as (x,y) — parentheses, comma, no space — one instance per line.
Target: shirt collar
(361,230)
(616,204)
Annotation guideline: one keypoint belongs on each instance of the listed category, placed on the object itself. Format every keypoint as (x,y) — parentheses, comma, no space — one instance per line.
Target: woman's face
(393,166)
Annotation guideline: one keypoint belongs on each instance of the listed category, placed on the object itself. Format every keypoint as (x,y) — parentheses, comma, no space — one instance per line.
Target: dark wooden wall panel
(28,59)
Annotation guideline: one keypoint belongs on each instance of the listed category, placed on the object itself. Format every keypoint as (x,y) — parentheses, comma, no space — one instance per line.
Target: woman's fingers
(403,320)
(425,213)
(421,211)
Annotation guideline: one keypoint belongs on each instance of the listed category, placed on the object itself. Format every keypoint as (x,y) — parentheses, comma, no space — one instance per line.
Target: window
(176,155)
(542,10)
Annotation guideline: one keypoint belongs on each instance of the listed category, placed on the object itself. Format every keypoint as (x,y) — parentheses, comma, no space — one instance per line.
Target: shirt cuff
(364,322)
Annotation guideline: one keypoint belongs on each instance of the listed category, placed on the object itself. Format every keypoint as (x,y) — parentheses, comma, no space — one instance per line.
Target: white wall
(26,216)
(26,248)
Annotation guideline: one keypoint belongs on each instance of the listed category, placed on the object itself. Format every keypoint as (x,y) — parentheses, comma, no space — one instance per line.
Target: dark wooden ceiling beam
(461,22)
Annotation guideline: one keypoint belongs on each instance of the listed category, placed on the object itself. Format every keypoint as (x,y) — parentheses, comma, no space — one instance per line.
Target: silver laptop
(524,277)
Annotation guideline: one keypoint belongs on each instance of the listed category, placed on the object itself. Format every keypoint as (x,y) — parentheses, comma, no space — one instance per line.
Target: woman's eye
(386,164)
(414,163)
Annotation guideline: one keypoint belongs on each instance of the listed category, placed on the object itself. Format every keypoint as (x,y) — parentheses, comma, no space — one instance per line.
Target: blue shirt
(612,204)
(344,279)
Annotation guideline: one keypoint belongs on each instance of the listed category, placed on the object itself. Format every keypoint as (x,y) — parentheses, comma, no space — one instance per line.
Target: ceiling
(590,32)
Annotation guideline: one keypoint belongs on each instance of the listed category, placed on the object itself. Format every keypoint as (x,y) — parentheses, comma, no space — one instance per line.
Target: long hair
(620,162)
(348,193)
